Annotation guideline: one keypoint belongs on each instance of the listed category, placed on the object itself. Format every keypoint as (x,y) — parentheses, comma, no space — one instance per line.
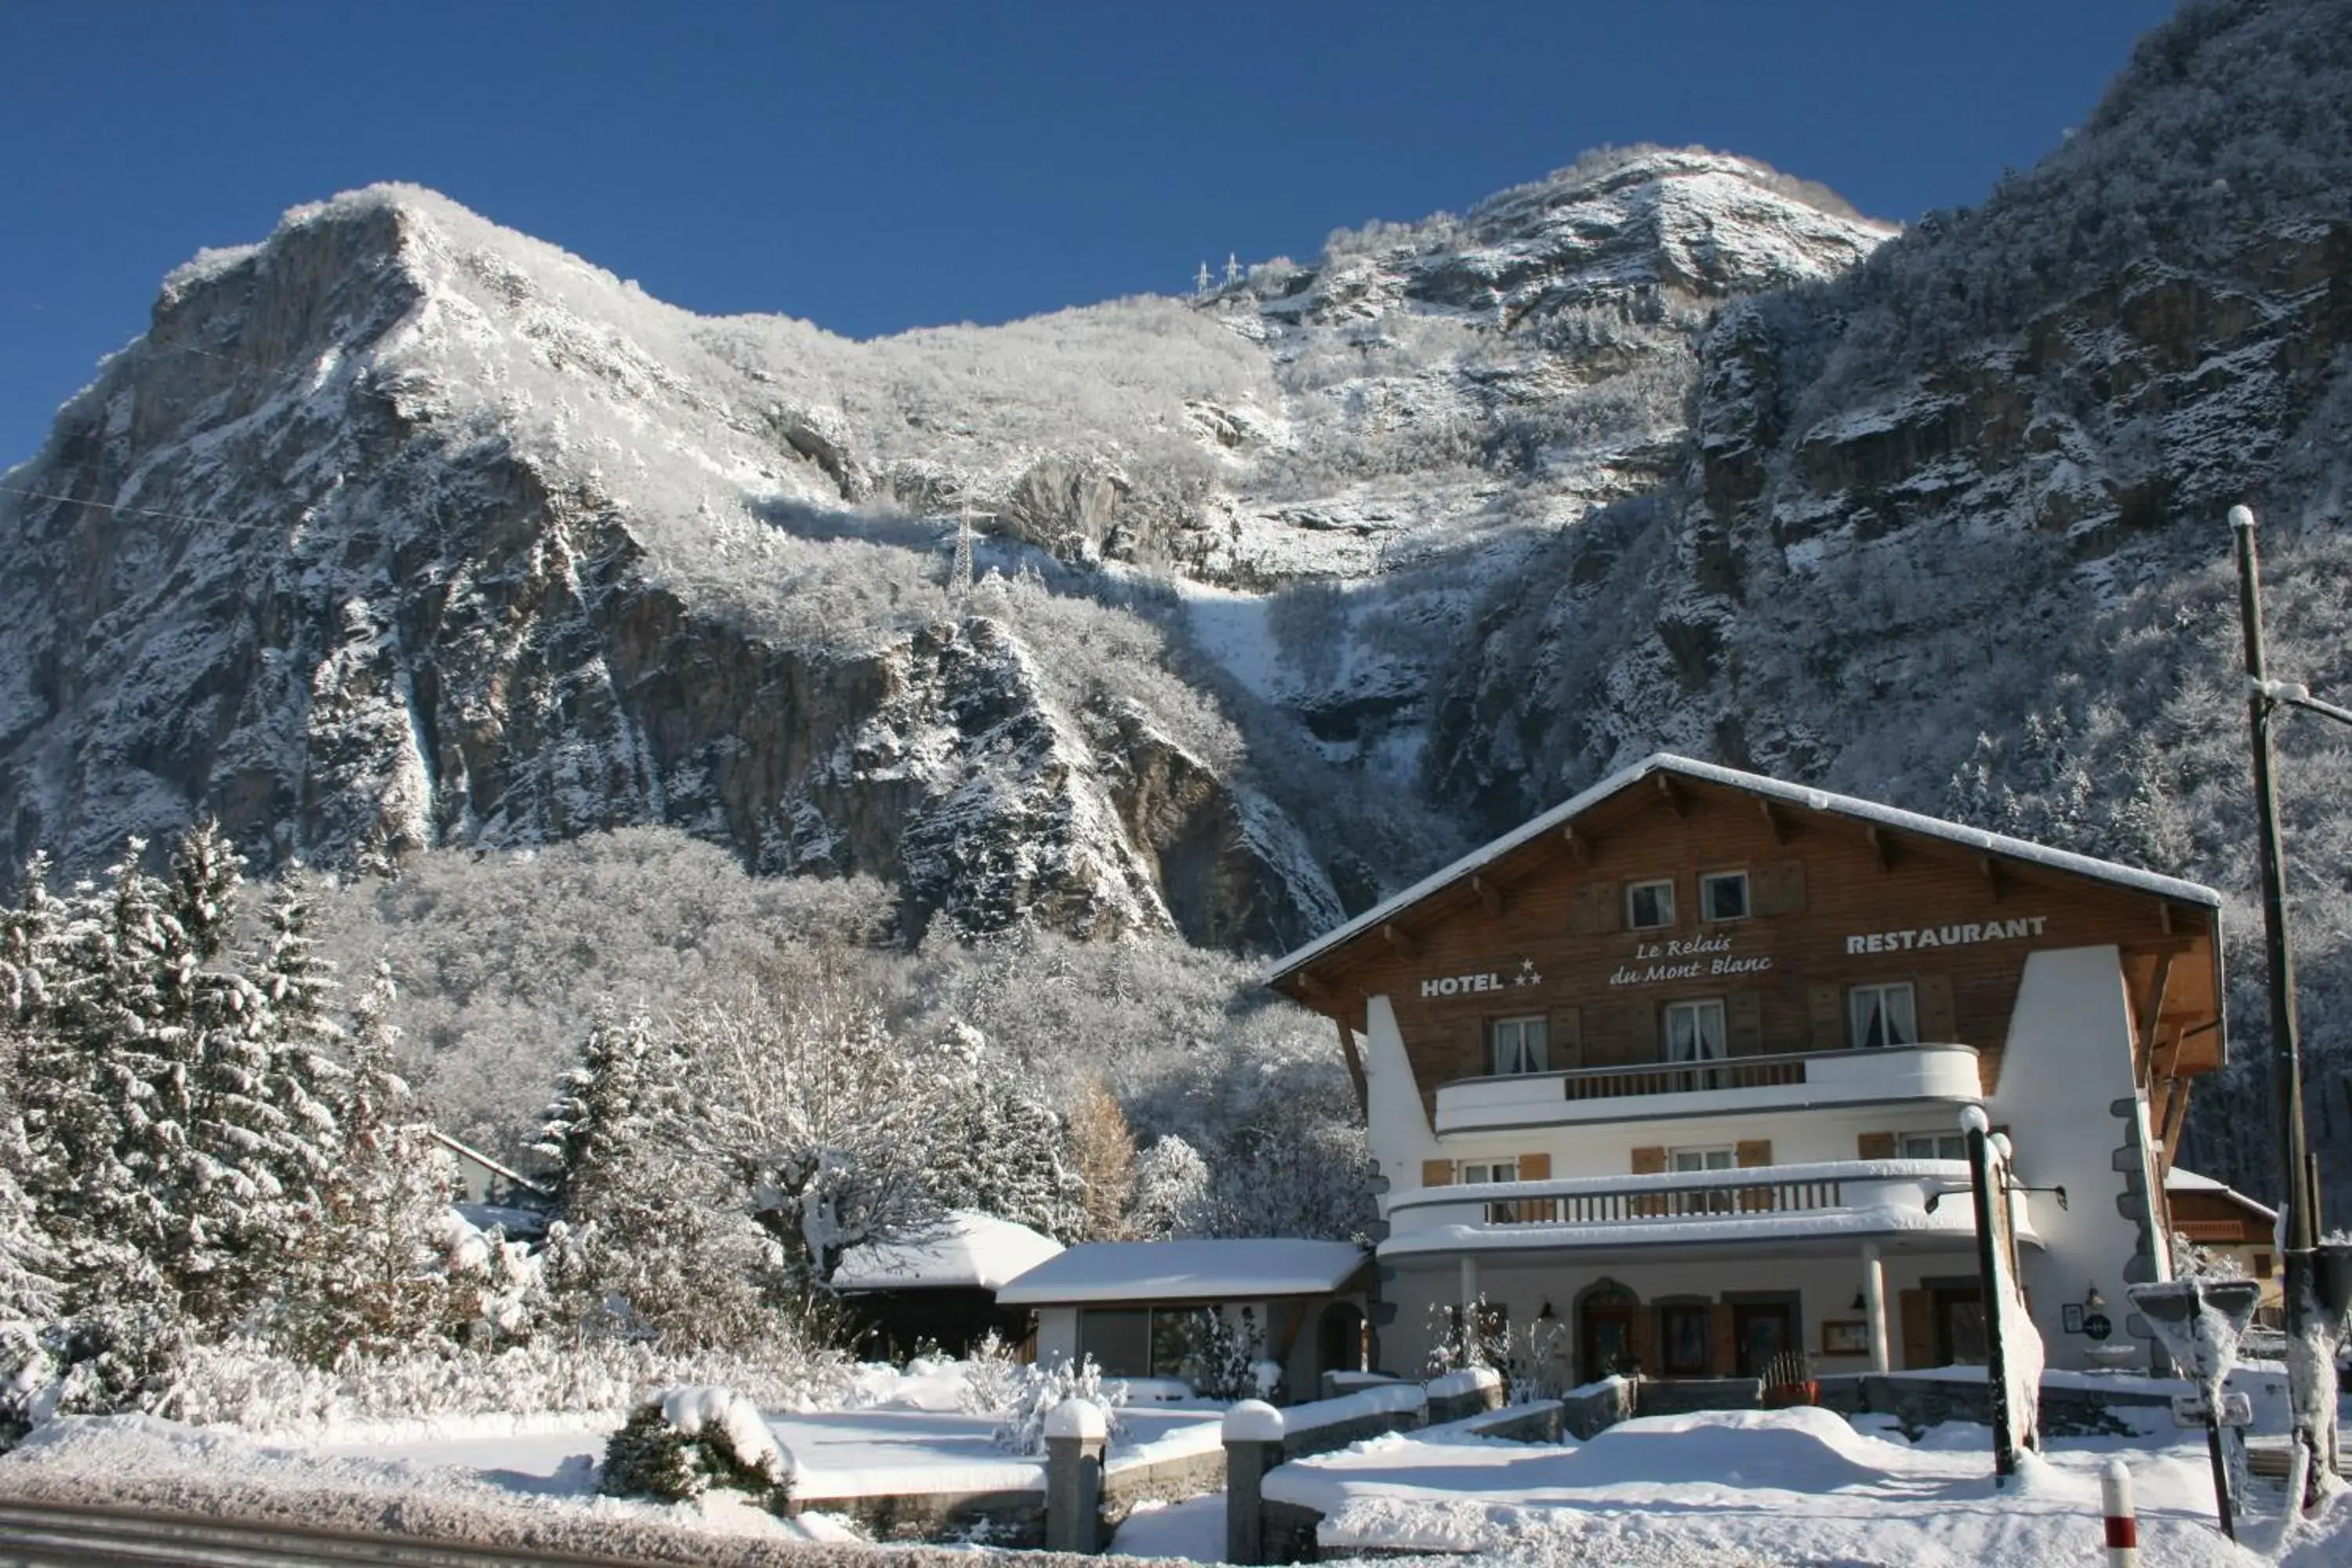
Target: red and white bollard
(2122,1523)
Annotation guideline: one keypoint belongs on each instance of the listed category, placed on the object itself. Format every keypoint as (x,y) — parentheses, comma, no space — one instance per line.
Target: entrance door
(1339,1339)
(1605,1336)
(1762,1334)
(1960,1339)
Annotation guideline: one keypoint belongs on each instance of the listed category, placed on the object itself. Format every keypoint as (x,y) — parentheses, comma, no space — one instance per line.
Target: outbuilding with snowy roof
(941,1286)
(1135,1306)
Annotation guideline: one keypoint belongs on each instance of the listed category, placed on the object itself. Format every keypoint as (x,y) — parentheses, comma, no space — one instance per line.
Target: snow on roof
(2177,1180)
(497,1168)
(971,1249)
(1218,1271)
(1754,783)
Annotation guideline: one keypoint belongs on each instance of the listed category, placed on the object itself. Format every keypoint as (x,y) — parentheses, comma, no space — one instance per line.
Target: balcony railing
(1729,1084)
(1845,1196)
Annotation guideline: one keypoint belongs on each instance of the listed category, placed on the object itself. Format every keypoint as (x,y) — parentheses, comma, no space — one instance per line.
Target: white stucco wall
(2068,1061)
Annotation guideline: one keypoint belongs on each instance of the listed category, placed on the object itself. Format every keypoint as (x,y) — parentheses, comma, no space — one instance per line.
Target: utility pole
(2298,1187)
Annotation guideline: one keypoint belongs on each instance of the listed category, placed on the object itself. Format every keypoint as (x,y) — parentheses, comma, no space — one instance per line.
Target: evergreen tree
(206,873)
(996,1146)
(366,1272)
(306,1080)
(1171,1191)
(601,1107)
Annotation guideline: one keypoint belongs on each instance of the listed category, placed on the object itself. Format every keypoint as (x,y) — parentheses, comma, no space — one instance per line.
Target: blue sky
(882,165)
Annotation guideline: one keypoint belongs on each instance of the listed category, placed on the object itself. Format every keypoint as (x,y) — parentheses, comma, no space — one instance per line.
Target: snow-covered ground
(1736,1488)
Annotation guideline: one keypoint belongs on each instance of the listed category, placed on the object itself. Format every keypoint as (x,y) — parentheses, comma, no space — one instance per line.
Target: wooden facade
(1833,902)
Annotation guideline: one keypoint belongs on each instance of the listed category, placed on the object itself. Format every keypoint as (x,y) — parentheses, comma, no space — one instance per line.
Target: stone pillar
(1469,1282)
(1077,1432)
(1874,1298)
(1252,1435)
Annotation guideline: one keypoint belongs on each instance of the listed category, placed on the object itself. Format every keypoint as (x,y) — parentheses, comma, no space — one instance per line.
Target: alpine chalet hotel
(1680,1065)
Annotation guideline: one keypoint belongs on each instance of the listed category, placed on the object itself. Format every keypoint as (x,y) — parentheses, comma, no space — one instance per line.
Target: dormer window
(1723,895)
(1650,906)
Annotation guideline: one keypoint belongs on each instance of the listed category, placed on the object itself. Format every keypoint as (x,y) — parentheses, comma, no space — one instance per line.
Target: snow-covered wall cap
(1076,1417)
(1248,1268)
(1869,811)
(1253,1421)
(1466,1380)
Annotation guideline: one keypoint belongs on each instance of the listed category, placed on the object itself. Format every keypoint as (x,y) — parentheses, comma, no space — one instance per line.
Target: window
(1882,1015)
(1475,1171)
(1710,1200)
(1650,905)
(1695,1031)
(1723,895)
(1118,1338)
(1519,1044)
(1934,1146)
(2261,1265)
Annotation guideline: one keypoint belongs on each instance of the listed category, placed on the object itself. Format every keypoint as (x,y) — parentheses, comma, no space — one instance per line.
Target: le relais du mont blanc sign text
(1686,958)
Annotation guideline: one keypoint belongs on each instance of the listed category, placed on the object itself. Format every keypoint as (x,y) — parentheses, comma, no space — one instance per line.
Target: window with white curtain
(1695,1031)
(1519,1044)
(1884,1015)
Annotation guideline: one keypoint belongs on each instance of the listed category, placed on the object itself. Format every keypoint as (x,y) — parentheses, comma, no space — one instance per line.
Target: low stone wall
(1540,1421)
(1682,1395)
(2068,1409)
(1159,1480)
(1328,1426)
(1597,1407)
(1460,1395)
(996,1518)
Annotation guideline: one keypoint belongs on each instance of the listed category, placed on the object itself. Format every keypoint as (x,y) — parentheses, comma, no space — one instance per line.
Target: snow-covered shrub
(1479,1335)
(681,1443)
(992,1374)
(1541,1362)
(1221,1355)
(1022,1430)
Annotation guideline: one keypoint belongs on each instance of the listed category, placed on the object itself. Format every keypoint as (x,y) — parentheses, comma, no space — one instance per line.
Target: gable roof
(1866,811)
(969,1248)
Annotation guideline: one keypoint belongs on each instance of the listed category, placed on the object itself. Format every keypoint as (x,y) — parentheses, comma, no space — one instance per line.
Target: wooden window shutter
(1777,888)
(1937,1024)
(1535,1167)
(1593,910)
(1726,1341)
(1471,1057)
(1827,1005)
(1875,1146)
(1641,1020)
(1743,1022)
(1437,1173)
(1650,1162)
(1752,1152)
(1641,1344)
(1567,1038)
(1917,1309)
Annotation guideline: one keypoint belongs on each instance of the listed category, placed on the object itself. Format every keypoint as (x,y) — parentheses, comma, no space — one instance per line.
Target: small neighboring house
(2227,1222)
(488,1192)
(1132,1305)
(1681,1064)
(943,1289)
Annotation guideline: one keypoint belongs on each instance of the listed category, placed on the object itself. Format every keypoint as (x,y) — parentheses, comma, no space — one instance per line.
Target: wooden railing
(1639,1205)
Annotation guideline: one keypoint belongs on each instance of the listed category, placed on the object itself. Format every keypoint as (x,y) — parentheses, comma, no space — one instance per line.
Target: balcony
(1846,1198)
(1728,1086)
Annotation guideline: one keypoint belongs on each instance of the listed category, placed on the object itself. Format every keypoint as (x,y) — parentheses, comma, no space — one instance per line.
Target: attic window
(1723,895)
(1650,906)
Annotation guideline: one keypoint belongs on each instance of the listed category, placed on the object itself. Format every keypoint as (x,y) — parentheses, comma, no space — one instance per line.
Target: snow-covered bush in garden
(1221,1355)
(1022,1430)
(992,1374)
(1541,1362)
(1479,1335)
(684,1441)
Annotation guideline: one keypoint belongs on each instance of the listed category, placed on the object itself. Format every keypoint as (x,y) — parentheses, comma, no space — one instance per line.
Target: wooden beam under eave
(1355,1067)
(1881,844)
(1774,820)
(1994,882)
(2151,1011)
(1406,947)
(2164,915)
(1580,847)
(1676,802)
(2176,1111)
(1309,986)
(1488,894)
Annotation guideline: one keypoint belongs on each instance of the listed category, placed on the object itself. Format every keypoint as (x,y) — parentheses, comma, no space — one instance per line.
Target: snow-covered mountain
(400,528)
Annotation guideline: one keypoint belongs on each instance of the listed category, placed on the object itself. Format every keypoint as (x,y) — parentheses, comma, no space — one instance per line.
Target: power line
(120,511)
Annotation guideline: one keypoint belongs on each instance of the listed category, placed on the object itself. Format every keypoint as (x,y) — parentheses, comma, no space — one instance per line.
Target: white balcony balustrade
(1729,1086)
(1845,1197)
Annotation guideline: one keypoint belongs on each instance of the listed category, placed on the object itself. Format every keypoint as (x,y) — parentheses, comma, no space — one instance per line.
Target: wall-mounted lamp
(2093,1301)
(1859,1304)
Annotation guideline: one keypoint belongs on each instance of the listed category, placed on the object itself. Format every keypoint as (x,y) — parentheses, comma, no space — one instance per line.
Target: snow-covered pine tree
(996,1146)
(306,1080)
(365,1273)
(1171,1191)
(32,931)
(32,1301)
(621,1087)
(207,872)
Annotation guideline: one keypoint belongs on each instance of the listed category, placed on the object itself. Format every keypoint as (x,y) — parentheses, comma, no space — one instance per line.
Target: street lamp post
(2299,1189)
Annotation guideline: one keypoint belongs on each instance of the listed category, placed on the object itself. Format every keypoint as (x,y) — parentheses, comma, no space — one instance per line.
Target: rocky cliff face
(400,528)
